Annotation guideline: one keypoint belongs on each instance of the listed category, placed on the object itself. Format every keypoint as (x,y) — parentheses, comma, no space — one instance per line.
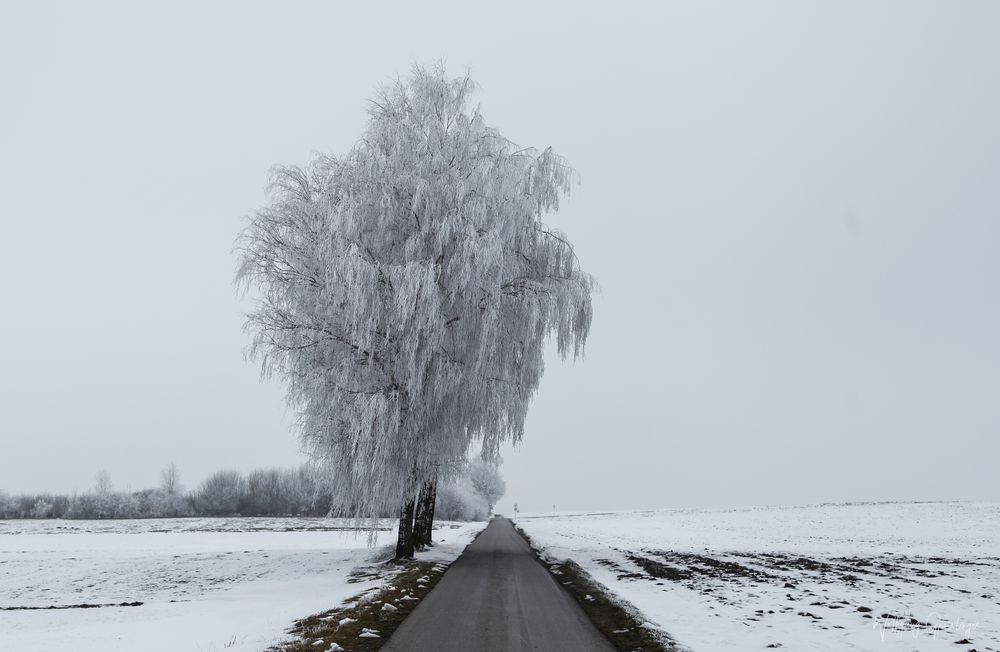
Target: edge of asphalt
(621,622)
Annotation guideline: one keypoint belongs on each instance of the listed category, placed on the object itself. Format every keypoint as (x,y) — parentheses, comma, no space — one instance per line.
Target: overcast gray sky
(792,209)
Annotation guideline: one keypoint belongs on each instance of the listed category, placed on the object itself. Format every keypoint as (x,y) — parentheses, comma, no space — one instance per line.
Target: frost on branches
(408,290)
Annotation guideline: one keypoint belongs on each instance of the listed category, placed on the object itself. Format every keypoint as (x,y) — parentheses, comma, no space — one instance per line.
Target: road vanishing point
(498,597)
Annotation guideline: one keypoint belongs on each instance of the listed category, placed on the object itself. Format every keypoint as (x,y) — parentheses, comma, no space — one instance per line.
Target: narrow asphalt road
(497,597)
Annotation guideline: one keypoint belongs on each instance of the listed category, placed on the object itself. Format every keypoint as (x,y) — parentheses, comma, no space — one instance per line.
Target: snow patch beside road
(206,584)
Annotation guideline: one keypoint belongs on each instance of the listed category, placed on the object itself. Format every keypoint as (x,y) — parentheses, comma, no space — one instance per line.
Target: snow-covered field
(204,584)
(910,576)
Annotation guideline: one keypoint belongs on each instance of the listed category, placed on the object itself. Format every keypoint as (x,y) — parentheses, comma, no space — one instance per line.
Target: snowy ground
(204,584)
(913,576)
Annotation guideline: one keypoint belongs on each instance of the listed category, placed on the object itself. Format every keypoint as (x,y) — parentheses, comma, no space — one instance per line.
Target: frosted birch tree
(408,289)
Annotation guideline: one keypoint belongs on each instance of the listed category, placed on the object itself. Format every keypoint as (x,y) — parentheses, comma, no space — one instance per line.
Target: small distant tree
(268,491)
(83,506)
(105,502)
(170,479)
(485,477)
(221,494)
(43,508)
(102,484)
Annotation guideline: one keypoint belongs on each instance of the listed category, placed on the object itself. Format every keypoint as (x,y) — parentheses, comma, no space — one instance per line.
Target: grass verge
(365,622)
(618,620)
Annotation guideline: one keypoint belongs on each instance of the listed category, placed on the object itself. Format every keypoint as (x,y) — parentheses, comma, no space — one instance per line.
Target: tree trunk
(404,543)
(423,524)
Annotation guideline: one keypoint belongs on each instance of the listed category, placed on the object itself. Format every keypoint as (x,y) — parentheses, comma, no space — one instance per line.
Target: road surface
(497,597)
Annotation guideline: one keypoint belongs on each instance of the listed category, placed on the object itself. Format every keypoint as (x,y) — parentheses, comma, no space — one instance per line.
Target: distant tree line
(262,492)
(468,496)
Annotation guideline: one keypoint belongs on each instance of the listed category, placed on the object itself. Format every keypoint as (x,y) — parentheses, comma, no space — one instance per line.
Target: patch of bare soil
(367,620)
